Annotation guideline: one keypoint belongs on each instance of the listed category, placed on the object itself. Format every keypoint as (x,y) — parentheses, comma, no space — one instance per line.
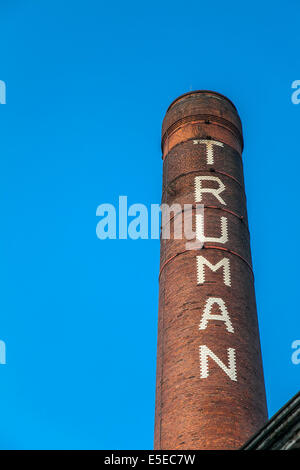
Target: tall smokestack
(210,390)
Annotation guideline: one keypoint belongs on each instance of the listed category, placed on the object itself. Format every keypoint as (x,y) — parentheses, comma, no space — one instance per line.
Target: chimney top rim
(195,92)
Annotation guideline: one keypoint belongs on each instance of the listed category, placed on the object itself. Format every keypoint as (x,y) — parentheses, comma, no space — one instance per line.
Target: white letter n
(229,370)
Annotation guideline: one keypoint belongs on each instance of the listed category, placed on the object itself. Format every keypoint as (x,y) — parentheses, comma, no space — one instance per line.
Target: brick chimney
(210,391)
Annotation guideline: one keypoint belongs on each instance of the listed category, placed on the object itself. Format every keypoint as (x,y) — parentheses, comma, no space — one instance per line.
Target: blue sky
(88,84)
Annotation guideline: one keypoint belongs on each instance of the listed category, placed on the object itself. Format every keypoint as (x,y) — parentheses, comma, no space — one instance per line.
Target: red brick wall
(193,411)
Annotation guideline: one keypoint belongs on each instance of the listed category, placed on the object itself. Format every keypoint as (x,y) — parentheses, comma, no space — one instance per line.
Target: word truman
(201,262)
